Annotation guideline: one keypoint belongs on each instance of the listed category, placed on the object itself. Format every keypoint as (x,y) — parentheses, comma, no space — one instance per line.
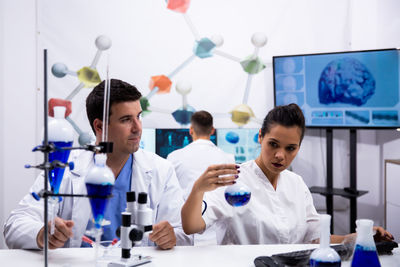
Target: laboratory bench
(201,256)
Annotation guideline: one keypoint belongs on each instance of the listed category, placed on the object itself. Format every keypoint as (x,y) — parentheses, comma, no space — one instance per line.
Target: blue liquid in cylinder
(317,263)
(237,199)
(365,257)
(56,174)
(98,204)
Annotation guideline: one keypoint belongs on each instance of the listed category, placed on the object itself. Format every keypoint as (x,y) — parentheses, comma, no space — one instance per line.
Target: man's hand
(163,235)
(62,232)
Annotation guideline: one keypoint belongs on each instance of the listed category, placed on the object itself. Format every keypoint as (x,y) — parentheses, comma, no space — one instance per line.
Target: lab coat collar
(264,179)
(202,142)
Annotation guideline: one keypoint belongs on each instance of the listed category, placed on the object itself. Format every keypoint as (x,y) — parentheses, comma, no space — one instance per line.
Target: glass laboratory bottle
(61,135)
(99,183)
(237,194)
(365,249)
(324,256)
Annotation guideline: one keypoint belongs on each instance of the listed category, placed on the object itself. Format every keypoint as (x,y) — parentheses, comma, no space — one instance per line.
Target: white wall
(18,101)
(150,40)
(2,202)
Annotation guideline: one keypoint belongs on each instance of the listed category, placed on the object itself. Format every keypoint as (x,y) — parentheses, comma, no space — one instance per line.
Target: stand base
(134,261)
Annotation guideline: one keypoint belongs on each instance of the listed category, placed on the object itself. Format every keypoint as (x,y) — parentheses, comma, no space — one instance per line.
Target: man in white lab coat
(135,170)
(191,161)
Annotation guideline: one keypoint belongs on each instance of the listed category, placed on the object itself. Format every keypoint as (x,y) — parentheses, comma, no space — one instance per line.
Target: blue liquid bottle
(238,194)
(99,183)
(325,256)
(61,135)
(365,249)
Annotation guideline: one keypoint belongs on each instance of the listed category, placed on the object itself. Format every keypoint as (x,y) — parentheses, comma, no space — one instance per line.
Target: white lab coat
(190,162)
(150,174)
(283,216)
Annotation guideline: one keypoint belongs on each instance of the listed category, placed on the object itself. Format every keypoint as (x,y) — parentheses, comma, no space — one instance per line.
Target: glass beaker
(108,250)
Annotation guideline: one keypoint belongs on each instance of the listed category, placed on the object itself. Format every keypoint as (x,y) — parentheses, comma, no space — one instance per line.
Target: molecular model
(88,77)
(204,47)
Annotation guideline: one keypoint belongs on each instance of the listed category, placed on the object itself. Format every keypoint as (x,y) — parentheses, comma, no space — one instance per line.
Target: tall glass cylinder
(325,256)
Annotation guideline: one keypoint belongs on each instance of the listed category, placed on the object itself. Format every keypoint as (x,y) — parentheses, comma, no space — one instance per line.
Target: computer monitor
(241,142)
(168,140)
(358,89)
(148,140)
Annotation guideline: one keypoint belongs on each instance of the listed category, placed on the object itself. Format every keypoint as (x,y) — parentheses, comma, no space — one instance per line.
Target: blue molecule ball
(59,70)
(232,137)
(255,139)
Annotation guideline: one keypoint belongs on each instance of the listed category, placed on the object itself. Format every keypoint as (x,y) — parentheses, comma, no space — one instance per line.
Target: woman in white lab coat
(280,209)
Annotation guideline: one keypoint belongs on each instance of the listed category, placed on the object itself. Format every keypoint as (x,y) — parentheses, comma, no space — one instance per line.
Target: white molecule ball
(59,70)
(103,42)
(86,138)
(183,87)
(217,40)
(259,39)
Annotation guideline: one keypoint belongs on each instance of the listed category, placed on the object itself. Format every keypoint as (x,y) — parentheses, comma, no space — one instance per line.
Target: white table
(201,256)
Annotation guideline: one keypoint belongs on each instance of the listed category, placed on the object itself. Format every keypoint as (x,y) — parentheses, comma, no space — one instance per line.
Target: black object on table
(302,257)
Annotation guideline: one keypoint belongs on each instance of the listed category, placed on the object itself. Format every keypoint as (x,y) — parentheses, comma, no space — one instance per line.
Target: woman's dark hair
(120,91)
(288,116)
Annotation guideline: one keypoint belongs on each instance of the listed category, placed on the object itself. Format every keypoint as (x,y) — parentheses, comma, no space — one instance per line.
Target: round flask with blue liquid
(237,195)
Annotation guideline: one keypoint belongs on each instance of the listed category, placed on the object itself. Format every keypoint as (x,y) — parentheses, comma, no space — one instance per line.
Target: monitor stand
(350,192)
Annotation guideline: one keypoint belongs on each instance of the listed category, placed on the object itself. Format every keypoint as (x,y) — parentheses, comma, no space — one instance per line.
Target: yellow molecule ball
(241,114)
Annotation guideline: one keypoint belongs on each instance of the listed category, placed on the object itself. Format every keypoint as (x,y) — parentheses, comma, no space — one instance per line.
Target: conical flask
(61,135)
(238,194)
(99,183)
(365,249)
(325,256)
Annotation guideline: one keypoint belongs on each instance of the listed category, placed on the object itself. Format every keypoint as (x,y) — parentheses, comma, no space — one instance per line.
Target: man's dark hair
(120,91)
(202,123)
(288,116)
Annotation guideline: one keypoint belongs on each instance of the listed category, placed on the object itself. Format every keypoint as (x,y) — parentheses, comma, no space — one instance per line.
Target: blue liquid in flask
(238,194)
(365,257)
(99,201)
(56,174)
(237,199)
(317,263)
